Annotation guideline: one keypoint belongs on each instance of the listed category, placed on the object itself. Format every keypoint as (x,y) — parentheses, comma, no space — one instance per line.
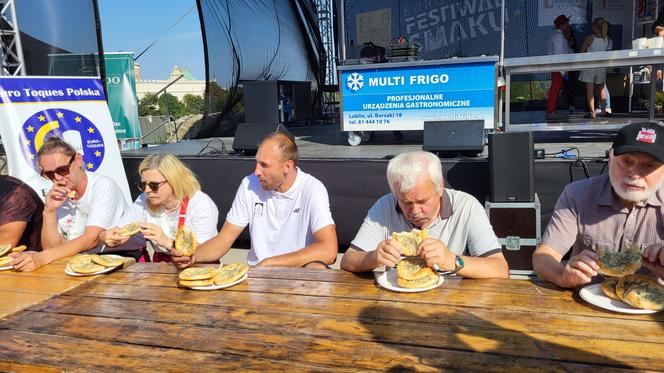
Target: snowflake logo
(354,82)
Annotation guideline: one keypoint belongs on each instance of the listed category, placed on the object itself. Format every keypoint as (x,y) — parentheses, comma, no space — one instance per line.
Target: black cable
(583,164)
(164,33)
(214,150)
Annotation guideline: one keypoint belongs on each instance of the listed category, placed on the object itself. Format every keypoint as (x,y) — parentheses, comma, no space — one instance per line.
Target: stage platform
(574,127)
(328,142)
(325,141)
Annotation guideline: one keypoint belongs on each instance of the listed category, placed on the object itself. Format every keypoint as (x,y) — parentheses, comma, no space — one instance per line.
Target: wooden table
(320,320)
(19,290)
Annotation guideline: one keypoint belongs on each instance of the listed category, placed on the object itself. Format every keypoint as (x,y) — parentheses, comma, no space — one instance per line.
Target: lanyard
(183,212)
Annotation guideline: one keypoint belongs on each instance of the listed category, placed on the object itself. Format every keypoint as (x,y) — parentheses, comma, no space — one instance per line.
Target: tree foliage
(170,105)
(190,104)
(194,104)
(148,106)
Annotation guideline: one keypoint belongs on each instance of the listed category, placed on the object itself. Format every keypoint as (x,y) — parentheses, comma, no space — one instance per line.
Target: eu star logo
(74,128)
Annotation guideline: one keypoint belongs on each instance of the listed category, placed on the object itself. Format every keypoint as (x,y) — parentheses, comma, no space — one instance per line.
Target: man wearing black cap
(622,208)
(557,45)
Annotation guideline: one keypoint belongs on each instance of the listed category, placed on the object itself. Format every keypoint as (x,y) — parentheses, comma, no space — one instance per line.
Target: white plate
(388,280)
(593,294)
(217,287)
(6,268)
(105,270)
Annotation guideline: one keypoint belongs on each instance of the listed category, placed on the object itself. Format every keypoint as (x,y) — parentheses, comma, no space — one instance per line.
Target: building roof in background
(177,70)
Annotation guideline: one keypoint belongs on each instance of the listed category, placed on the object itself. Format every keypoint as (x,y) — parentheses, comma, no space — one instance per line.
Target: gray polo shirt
(462,225)
(588,213)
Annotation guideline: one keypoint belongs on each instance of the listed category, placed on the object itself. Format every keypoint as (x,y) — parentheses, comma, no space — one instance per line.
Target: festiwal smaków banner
(32,109)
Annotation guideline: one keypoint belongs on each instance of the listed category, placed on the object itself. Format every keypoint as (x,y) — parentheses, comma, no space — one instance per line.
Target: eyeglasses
(62,170)
(153,185)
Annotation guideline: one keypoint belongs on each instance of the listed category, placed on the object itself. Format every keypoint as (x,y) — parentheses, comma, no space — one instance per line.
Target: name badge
(258,209)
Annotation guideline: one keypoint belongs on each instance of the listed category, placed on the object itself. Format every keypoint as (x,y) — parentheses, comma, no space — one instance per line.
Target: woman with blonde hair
(598,41)
(171,198)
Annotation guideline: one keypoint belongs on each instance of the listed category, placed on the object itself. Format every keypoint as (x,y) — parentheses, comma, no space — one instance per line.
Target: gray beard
(632,196)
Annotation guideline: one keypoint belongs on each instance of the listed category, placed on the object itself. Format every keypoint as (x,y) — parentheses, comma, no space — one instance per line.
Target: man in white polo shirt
(461,239)
(287,210)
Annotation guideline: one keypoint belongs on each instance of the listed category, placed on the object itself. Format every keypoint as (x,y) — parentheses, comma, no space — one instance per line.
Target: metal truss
(11,53)
(324,8)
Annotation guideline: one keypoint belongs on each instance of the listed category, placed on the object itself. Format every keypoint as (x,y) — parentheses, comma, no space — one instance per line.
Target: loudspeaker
(452,138)
(248,136)
(511,167)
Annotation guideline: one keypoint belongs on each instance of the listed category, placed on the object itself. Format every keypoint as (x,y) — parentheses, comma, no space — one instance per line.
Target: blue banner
(49,90)
(403,98)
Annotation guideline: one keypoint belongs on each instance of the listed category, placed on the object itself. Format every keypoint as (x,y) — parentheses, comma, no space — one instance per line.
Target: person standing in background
(557,45)
(572,76)
(607,94)
(598,41)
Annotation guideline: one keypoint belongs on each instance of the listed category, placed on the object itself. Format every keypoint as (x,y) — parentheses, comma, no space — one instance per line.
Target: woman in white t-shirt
(171,198)
(598,41)
(79,206)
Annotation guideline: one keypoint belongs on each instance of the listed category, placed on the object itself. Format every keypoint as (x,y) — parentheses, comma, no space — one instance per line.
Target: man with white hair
(611,211)
(461,239)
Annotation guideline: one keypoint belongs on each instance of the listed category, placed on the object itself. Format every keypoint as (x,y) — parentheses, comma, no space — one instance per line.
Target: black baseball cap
(645,137)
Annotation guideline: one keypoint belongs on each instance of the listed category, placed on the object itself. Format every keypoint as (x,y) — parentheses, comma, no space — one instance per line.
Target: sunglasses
(62,170)
(153,185)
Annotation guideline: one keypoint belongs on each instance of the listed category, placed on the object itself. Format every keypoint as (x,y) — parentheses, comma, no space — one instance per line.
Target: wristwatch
(458,264)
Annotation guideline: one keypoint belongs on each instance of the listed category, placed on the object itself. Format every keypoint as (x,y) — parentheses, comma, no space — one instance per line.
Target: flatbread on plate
(5,248)
(5,260)
(410,240)
(107,260)
(609,287)
(82,261)
(85,267)
(196,283)
(622,263)
(641,292)
(81,258)
(414,273)
(229,273)
(198,273)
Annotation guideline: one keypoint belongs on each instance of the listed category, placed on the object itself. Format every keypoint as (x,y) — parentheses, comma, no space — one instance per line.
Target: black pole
(206,94)
(100,47)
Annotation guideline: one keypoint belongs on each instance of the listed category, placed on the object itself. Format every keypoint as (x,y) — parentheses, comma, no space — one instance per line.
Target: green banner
(122,102)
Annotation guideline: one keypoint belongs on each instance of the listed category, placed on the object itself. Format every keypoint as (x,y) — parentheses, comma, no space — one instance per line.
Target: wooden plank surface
(19,290)
(318,320)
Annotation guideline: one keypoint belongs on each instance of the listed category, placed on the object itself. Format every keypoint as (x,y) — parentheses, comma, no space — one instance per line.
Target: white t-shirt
(557,44)
(101,205)
(201,217)
(280,223)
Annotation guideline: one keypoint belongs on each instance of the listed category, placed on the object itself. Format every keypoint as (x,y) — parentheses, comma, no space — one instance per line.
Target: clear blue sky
(131,25)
